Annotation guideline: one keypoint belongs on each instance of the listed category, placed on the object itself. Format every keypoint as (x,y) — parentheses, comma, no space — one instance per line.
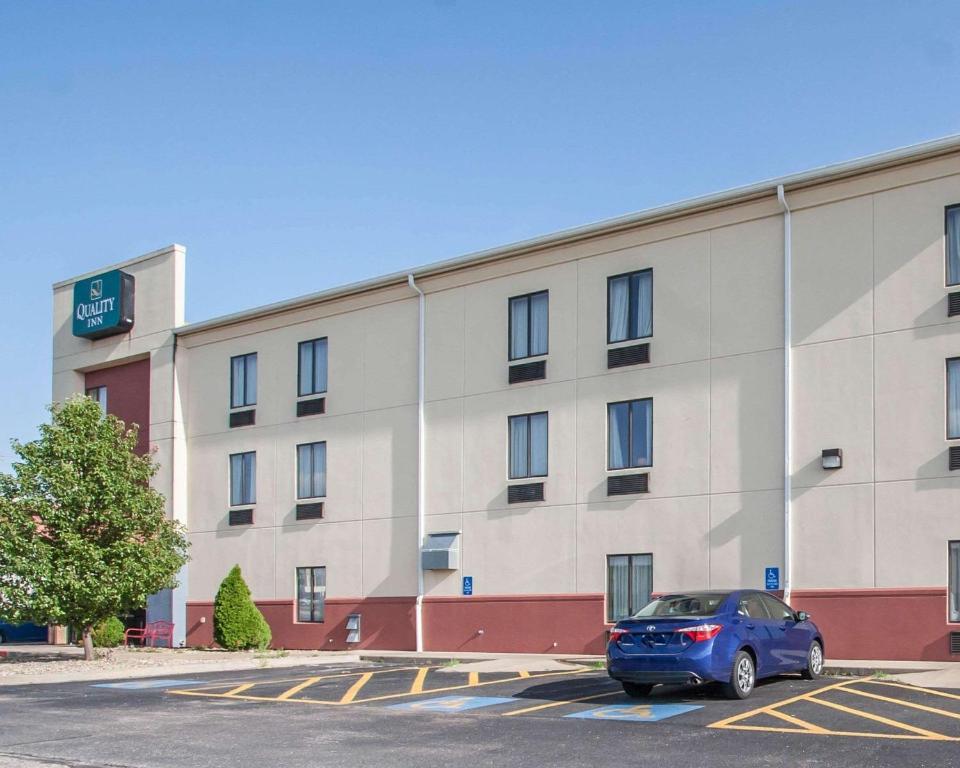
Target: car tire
(743,677)
(637,690)
(814,668)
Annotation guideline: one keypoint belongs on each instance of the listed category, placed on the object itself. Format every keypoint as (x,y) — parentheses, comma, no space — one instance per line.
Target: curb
(870,671)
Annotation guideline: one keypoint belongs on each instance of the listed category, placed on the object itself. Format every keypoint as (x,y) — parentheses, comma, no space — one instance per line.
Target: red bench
(151,634)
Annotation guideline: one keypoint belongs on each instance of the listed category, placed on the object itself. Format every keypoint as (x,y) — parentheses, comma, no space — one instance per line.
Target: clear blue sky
(292,146)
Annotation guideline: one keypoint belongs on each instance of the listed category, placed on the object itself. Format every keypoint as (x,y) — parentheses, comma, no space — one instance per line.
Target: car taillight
(700,632)
(618,632)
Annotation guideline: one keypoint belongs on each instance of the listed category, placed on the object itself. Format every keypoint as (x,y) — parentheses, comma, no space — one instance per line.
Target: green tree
(237,622)
(83,536)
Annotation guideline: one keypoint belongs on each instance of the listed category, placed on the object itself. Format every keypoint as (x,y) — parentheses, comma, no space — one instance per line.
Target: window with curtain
(630,429)
(243,380)
(528,445)
(243,479)
(311,593)
(629,584)
(312,367)
(630,306)
(954,581)
(99,394)
(311,470)
(953,399)
(529,323)
(953,244)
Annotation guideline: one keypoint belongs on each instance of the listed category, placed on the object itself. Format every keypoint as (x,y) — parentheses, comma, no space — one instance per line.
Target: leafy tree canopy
(83,536)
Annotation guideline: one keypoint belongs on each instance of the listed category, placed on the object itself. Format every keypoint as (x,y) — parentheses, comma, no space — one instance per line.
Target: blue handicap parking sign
(468,585)
(641,713)
(452,703)
(772,578)
(137,685)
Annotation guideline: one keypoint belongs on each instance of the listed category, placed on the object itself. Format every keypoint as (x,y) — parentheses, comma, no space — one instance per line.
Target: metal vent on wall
(955,642)
(243,418)
(241,517)
(441,551)
(528,371)
(955,457)
(312,511)
(632,355)
(953,304)
(517,494)
(622,485)
(311,407)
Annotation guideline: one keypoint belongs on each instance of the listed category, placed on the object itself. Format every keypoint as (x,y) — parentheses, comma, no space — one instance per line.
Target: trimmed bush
(237,622)
(108,633)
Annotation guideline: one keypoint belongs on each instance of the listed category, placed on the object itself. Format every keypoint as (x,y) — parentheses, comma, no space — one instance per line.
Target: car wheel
(742,678)
(637,690)
(814,668)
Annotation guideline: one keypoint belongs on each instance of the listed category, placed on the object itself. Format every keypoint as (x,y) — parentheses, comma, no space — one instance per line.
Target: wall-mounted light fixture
(831,458)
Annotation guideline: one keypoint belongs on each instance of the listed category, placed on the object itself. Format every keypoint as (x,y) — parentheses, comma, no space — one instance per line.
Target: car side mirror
(802,615)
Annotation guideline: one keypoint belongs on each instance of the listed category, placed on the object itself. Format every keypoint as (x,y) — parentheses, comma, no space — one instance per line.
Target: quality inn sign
(103,305)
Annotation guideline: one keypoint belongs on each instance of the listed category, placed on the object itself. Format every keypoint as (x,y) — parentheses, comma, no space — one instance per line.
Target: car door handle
(783,629)
(751,626)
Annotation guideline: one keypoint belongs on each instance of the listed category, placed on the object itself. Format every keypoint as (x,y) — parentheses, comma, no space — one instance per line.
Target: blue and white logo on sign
(772,577)
(468,585)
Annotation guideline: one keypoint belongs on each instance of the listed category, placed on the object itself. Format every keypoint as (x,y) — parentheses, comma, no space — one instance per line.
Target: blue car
(732,638)
(22,633)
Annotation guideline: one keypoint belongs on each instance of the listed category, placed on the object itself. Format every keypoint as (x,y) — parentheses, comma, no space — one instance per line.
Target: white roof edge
(818,175)
(173,247)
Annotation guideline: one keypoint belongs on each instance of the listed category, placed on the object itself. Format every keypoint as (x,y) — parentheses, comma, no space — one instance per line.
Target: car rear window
(693,604)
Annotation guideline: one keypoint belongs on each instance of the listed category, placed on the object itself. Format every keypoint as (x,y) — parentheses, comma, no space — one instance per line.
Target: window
(243,380)
(778,611)
(629,584)
(529,321)
(953,244)
(100,395)
(630,306)
(312,367)
(311,470)
(243,479)
(528,445)
(311,593)
(953,399)
(630,427)
(954,581)
(752,606)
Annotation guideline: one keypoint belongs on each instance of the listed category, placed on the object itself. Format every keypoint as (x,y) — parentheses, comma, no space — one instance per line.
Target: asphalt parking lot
(422,714)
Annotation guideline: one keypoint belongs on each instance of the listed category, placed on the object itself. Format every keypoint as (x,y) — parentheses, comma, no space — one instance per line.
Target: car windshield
(693,604)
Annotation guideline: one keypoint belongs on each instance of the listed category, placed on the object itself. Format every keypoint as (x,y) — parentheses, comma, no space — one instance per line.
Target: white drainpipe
(787,393)
(421,464)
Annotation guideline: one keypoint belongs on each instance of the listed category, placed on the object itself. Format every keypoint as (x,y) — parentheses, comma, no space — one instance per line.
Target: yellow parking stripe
(297,688)
(931,691)
(473,678)
(879,719)
(549,704)
(417,686)
(524,674)
(727,722)
(903,703)
(860,734)
(239,689)
(797,721)
(351,694)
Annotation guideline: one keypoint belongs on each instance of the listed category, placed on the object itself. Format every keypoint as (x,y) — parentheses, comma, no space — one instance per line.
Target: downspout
(787,393)
(421,463)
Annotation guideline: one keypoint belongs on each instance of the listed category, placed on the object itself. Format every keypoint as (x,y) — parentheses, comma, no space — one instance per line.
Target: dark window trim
(297,453)
(529,444)
(230,400)
(630,609)
(946,244)
(510,355)
(300,366)
(951,619)
(946,374)
(629,435)
(245,503)
(631,313)
(323,603)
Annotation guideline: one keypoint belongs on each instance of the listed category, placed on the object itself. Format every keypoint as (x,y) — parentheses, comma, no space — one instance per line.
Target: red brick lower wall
(128,395)
(893,624)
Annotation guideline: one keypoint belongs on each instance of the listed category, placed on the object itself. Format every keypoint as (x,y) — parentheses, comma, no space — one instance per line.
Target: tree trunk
(87,644)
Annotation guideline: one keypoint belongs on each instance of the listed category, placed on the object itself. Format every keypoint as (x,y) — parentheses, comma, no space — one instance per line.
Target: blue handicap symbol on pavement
(136,685)
(641,713)
(452,703)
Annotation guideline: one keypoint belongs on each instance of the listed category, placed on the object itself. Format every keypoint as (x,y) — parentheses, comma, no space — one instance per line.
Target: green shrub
(108,633)
(237,622)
